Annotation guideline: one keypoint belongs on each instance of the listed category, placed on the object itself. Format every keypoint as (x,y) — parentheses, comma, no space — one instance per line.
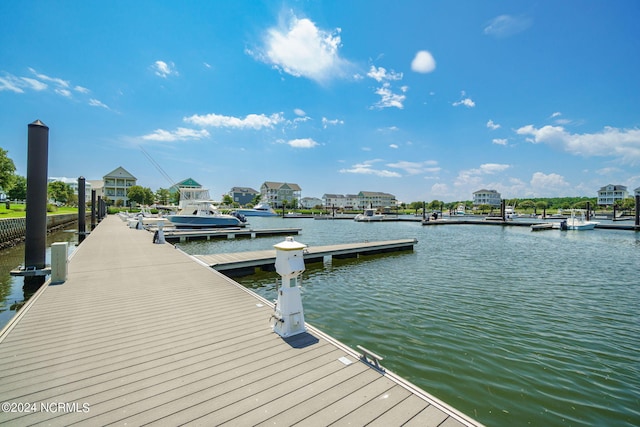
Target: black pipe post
(99,208)
(588,218)
(93,209)
(82,214)
(503,210)
(614,212)
(637,210)
(36,221)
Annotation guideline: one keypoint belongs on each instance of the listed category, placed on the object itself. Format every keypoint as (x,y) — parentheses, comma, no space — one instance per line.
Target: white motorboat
(369,215)
(197,211)
(261,209)
(577,223)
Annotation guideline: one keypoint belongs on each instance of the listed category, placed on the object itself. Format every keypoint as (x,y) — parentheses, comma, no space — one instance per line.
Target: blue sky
(422,99)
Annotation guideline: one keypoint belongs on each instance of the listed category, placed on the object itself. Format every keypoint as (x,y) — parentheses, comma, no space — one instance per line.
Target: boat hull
(254,212)
(194,221)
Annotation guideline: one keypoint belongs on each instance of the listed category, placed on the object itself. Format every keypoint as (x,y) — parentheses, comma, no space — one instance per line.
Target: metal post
(503,210)
(637,210)
(93,209)
(82,215)
(588,217)
(36,221)
(99,208)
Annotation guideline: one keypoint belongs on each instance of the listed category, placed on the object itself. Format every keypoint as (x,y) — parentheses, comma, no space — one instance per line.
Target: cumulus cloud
(164,69)
(95,103)
(493,126)
(388,98)
(506,25)
(252,121)
(366,168)
(180,134)
(301,49)
(548,183)
(302,143)
(623,144)
(299,112)
(500,141)
(423,62)
(381,74)
(466,101)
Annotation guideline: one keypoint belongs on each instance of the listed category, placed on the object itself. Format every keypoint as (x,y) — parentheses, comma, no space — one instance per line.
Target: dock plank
(143,333)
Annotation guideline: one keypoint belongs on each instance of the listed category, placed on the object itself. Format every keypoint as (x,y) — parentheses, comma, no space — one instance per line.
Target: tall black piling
(36,221)
(82,214)
(588,218)
(637,222)
(93,209)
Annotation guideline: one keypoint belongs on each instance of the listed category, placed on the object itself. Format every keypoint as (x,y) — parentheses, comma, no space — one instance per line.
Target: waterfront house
(242,195)
(609,194)
(376,199)
(340,201)
(310,202)
(487,197)
(275,193)
(116,184)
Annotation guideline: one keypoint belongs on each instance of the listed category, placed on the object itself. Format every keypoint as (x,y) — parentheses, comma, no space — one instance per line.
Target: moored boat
(197,211)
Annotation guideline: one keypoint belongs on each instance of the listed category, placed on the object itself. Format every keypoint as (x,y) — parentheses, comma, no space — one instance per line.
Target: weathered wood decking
(141,333)
(239,263)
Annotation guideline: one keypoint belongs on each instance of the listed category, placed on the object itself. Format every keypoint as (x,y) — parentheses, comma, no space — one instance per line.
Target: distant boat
(575,223)
(261,209)
(369,215)
(197,211)
(460,210)
(542,226)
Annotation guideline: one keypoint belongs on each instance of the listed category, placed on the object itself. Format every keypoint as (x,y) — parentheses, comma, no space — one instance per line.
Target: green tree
(7,171)
(227,200)
(256,199)
(59,191)
(163,195)
(19,189)
(136,193)
(149,197)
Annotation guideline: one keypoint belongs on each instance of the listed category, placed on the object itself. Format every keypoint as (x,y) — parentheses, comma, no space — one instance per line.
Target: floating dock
(140,333)
(244,263)
(175,235)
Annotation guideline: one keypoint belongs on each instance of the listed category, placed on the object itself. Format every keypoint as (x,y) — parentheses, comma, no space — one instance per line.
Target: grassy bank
(19,211)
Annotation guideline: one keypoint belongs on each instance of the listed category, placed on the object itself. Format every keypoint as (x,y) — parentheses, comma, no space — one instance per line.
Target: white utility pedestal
(289,315)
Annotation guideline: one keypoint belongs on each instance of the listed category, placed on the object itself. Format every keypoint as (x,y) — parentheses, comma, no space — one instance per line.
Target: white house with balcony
(117,184)
(609,194)
(275,193)
(487,197)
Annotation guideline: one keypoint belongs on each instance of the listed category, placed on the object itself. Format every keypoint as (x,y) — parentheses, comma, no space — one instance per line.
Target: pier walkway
(141,333)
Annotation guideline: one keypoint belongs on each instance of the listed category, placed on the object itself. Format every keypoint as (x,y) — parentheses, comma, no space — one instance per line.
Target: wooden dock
(175,235)
(141,333)
(244,263)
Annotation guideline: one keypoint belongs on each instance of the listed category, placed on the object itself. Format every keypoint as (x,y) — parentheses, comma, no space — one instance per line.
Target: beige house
(376,199)
(275,193)
(487,197)
(116,185)
(609,194)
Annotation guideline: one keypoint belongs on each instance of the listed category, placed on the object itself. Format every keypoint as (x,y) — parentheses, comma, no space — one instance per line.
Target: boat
(369,215)
(195,210)
(541,226)
(460,210)
(577,223)
(261,209)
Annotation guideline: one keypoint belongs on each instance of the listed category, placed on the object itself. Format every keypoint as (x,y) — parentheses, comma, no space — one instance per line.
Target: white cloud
(415,168)
(388,98)
(623,144)
(35,84)
(81,89)
(299,112)
(423,62)
(95,103)
(164,69)
(366,168)
(467,102)
(556,114)
(57,81)
(506,25)
(180,134)
(380,74)
(393,146)
(302,143)
(550,184)
(63,92)
(493,126)
(301,49)
(326,122)
(253,121)
(500,141)
(11,84)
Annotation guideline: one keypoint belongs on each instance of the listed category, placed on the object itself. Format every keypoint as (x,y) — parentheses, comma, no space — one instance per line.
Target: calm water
(510,326)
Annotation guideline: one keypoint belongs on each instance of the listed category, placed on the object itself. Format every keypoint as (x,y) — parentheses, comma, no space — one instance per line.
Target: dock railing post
(82,214)
(36,220)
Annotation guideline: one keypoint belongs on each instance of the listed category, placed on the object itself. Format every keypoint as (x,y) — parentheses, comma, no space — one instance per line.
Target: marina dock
(175,235)
(243,263)
(141,333)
